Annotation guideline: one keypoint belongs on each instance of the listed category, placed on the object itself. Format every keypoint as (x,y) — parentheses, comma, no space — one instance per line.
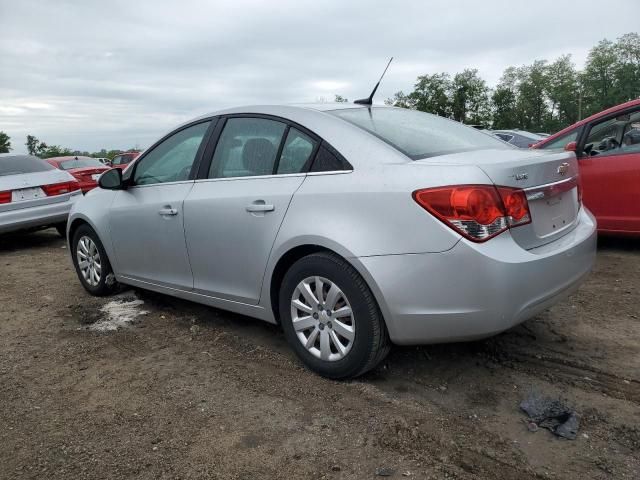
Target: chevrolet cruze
(352,226)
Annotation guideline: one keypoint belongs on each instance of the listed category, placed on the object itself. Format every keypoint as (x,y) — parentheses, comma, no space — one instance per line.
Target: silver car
(353,227)
(34,194)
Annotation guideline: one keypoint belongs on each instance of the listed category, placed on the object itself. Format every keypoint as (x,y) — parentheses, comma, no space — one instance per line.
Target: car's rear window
(19,164)
(80,163)
(418,134)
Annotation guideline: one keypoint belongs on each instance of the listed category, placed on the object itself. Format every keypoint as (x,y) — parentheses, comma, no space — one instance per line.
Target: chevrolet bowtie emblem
(563,169)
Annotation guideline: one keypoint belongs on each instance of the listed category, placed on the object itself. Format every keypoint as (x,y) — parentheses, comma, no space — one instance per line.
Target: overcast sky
(114,74)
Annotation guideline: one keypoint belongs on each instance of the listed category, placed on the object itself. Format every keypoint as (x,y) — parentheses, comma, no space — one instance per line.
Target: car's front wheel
(330,317)
(91,262)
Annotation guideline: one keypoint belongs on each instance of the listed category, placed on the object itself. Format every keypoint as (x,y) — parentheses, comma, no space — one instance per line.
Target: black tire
(371,342)
(62,229)
(107,284)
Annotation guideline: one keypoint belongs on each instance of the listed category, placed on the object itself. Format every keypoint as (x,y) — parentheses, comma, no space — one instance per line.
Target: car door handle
(260,206)
(168,211)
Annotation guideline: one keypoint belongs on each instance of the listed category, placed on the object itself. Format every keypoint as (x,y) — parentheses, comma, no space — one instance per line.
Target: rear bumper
(477,290)
(37,216)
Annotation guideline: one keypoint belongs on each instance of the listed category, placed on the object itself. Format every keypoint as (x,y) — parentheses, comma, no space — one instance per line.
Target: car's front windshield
(417,134)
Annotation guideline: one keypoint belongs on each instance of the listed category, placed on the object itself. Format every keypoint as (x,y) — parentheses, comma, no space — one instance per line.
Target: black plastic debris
(551,414)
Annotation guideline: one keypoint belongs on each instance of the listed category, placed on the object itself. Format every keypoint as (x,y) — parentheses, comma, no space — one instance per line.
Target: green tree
(470,98)
(401,100)
(32,144)
(599,77)
(5,143)
(432,93)
(504,100)
(627,68)
(46,151)
(532,111)
(562,92)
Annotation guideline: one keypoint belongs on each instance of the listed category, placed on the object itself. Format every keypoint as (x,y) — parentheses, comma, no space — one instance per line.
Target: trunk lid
(28,181)
(550,181)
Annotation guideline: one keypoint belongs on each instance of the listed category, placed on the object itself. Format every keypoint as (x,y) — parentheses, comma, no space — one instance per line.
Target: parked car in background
(351,226)
(123,160)
(34,194)
(607,145)
(104,161)
(518,138)
(86,170)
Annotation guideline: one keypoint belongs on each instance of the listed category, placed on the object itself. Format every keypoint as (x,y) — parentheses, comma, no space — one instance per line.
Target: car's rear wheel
(91,262)
(330,317)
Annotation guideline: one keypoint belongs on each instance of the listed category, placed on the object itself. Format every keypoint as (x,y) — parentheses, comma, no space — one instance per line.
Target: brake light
(5,197)
(477,212)
(60,188)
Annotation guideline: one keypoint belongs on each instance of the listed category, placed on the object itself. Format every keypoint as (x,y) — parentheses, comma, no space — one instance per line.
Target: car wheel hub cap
(89,262)
(322,318)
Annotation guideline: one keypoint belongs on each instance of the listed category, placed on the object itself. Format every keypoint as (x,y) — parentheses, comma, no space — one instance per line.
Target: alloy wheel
(89,261)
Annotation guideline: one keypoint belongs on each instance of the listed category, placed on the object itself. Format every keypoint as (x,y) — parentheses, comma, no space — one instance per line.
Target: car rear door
(147,220)
(233,215)
(611,173)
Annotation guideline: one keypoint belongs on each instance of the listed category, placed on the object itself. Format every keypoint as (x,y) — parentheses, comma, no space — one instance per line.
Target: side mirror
(111,180)
(571,147)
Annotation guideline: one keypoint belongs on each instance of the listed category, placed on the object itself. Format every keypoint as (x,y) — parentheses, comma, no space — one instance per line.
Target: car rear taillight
(5,197)
(477,212)
(60,188)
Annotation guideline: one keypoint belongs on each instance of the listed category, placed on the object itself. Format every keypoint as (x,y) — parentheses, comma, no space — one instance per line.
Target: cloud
(117,73)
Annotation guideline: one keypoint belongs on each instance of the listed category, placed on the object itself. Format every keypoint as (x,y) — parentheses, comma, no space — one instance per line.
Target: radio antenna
(369,101)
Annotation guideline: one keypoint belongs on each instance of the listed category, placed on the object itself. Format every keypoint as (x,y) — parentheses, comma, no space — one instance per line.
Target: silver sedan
(34,194)
(354,227)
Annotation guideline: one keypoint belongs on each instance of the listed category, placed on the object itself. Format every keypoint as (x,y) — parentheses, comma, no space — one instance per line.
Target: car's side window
(116,160)
(171,160)
(247,147)
(327,160)
(618,135)
(296,152)
(504,137)
(562,141)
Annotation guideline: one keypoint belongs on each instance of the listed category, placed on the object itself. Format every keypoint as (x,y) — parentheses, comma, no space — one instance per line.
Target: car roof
(595,116)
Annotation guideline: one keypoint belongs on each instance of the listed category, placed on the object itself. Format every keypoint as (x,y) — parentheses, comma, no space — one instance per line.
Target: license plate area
(553,214)
(25,194)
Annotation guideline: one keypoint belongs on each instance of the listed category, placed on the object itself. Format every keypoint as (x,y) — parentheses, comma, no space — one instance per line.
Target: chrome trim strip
(548,189)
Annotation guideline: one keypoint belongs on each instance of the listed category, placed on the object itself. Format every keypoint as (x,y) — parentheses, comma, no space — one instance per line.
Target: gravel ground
(146,386)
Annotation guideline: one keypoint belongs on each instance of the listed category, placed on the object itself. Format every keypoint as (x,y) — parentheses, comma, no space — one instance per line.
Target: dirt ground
(192,392)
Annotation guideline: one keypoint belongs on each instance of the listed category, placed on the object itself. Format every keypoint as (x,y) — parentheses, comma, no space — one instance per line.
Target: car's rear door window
(296,152)
(249,147)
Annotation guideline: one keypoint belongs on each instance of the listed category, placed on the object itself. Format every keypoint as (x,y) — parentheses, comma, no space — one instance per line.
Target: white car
(34,194)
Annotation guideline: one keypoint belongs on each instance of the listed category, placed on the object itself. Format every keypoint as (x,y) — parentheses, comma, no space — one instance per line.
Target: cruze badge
(563,169)
(521,176)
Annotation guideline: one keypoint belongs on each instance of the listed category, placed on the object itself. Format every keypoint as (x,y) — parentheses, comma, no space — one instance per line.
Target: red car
(122,160)
(607,145)
(85,169)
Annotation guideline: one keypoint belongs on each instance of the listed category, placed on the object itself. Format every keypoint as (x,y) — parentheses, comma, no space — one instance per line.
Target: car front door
(147,220)
(233,216)
(610,170)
